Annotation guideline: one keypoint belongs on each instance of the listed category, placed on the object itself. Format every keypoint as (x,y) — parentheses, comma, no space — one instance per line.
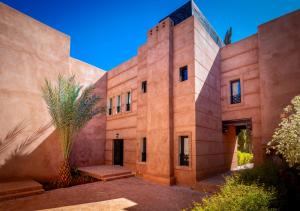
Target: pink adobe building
(173,110)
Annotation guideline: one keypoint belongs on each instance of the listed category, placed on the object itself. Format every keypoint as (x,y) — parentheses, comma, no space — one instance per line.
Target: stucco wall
(210,158)
(30,52)
(120,80)
(279,64)
(240,61)
(183,99)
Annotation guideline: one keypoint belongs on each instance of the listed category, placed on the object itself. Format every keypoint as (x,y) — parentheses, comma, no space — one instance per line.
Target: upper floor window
(183,73)
(110,106)
(144,149)
(184,153)
(128,101)
(118,108)
(235,91)
(144,86)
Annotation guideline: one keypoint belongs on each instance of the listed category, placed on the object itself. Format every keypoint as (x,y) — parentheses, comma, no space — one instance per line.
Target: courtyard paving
(124,194)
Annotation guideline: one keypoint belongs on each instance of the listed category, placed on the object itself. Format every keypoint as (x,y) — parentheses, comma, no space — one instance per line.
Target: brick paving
(125,194)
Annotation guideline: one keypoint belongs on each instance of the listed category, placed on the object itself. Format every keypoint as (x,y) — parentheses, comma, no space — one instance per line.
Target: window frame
(144,87)
(231,96)
(110,106)
(128,101)
(183,160)
(143,150)
(118,104)
(181,69)
(176,150)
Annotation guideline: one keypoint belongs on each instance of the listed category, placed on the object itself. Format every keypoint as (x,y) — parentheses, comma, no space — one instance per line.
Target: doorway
(118,151)
(238,144)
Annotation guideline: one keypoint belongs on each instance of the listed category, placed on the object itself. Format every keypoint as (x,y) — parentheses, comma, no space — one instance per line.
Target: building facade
(173,110)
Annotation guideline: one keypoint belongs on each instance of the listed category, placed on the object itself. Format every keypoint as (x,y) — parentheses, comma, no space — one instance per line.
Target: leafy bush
(244,158)
(266,175)
(234,196)
(285,141)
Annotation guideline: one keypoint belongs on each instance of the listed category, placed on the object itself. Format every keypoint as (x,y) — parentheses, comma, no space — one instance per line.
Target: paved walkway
(125,194)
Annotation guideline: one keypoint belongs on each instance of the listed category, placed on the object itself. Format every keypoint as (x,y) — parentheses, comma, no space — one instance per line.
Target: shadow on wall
(33,159)
(89,144)
(210,146)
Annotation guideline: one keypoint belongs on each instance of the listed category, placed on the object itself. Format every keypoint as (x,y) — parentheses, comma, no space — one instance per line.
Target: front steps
(16,189)
(106,172)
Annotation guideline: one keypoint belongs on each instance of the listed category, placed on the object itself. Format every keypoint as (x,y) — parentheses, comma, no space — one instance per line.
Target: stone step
(20,194)
(116,174)
(21,188)
(118,177)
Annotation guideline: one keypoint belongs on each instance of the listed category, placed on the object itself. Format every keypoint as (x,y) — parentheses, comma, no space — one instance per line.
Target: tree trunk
(65,177)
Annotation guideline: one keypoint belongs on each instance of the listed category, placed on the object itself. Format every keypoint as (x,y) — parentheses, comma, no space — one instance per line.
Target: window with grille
(235,91)
(184,154)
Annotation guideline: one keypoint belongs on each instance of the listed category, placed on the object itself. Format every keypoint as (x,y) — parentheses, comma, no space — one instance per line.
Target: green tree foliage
(244,141)
(228,35)
(286,139)
(70,107)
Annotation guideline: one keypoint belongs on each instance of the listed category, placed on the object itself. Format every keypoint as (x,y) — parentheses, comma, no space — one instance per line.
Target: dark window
(144,149)
(235,91)
(183,73)
(144,86)
(118,104)
(184,151)
(110,106)
(128,101)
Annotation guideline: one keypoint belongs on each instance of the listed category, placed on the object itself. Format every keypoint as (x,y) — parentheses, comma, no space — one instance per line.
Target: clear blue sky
(106,33)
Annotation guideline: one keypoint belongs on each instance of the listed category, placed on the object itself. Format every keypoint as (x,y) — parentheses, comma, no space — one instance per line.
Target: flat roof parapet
(190,9)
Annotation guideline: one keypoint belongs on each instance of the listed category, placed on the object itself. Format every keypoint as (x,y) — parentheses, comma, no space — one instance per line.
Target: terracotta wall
(183,98)
(30,52)
(240,61)
(120,80)
(89,144)
(209,145)
(159,53)
(279,64)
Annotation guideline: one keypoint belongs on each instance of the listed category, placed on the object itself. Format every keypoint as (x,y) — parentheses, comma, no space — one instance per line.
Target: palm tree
(70,107)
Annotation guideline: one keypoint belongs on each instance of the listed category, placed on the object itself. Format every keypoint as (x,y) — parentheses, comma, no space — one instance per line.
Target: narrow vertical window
(235,91)
(144,149)
(128,101)
(183,151)
(144,86)
(183,73)
(118,109)
(110,106)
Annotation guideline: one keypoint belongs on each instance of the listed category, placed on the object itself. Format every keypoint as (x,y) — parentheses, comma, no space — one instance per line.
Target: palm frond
(70,107)
(12,136)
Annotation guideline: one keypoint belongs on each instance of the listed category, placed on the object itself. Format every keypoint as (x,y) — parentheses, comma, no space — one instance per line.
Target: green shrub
(285,140)
(233,196)
(266,175)
(244,158)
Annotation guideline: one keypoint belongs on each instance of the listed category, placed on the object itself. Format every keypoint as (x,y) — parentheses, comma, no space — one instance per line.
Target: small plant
(244,158)
(235,196)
